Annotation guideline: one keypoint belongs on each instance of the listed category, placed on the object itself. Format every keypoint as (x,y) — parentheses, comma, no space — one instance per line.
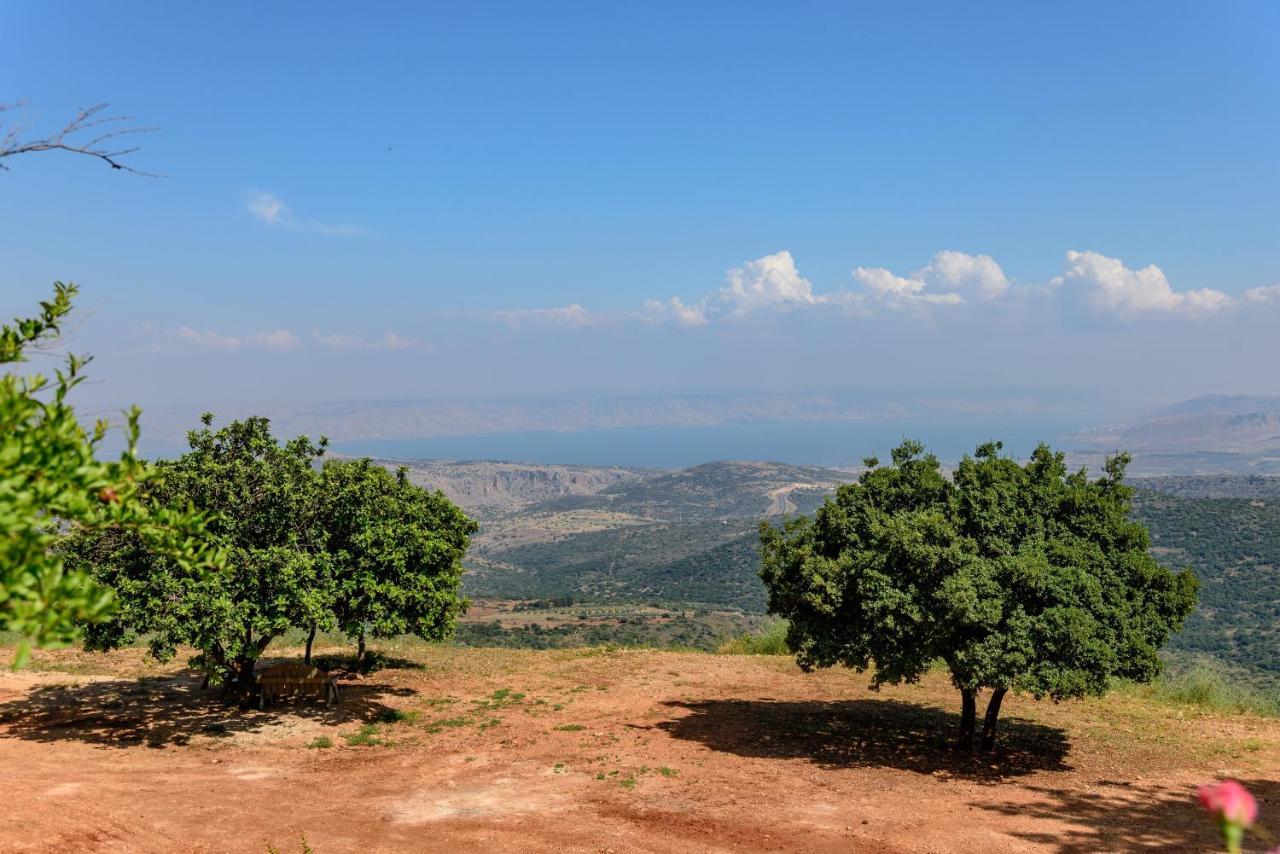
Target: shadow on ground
(160,711)
(1119,817)
(865,733)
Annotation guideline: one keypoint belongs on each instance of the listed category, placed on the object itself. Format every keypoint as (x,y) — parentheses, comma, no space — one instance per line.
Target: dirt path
(592,751)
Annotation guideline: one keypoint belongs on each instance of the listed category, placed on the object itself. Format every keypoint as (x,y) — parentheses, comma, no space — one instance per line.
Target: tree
(309,547)
(1021,577)
(92,133)
(51,481)
(397,553)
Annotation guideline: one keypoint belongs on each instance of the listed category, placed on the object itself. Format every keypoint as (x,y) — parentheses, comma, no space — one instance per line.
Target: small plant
(628,782)
(668,772)
(448,723)
(396,716)
(365,737)
(321,742)
(570,728)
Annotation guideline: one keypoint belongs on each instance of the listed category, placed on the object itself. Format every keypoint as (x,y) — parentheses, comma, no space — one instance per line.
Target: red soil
(605,751)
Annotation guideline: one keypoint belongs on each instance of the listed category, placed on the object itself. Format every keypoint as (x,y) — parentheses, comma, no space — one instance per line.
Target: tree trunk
(993,715)
(311,638)
(360,651)
(968,718)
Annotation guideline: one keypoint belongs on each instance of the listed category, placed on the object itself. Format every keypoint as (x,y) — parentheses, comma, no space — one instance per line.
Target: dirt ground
(495,750)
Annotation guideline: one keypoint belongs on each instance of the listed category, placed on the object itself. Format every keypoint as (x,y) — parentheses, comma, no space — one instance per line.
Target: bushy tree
(344,545)
(52,481)
(397,551)
(261,498)
(1025,577)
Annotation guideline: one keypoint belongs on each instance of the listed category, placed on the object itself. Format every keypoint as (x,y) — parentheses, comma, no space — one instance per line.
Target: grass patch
(771,640)
(321,742)
(668,772)
(399,716)
(569,728)
(1209,689)
(367,736)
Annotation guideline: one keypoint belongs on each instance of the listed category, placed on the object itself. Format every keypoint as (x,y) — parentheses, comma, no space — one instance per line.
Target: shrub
(771,640)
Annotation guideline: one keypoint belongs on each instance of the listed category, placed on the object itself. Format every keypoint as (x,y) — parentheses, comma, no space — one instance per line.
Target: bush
(771,640)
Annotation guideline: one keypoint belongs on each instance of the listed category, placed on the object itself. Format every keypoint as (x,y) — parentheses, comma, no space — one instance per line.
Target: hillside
(726,490)
(595,750)
(488,488)
(683,536)
(1233,546)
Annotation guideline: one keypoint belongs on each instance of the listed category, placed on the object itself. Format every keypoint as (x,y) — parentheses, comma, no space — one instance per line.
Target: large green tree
(1018,576)
(397,551)
(307,546)
(52,481)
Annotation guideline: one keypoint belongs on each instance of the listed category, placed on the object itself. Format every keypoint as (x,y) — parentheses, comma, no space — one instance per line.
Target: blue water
(828,443)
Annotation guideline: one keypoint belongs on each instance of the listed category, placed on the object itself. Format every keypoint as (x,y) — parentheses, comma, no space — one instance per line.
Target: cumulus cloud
(674,311)
(388,342)
(279,339)
(270,210)
(959,271)
(769,282)
(1115,289)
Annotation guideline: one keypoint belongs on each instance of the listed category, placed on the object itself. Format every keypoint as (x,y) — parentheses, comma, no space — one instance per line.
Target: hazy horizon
(432,203)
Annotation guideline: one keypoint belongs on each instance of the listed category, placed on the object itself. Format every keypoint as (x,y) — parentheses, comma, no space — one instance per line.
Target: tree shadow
(168,710)
(866,733)
(336,663)
(1119,817)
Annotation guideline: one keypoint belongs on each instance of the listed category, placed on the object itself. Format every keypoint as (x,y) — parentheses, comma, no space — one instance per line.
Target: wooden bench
(294,677)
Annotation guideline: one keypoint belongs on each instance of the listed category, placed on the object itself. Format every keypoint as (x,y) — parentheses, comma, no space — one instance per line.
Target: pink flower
(1230,802)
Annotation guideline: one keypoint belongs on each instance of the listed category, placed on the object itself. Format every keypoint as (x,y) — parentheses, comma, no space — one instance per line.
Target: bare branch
(71,138)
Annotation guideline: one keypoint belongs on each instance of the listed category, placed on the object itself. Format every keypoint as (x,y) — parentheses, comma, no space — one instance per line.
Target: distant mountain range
(164,427)
(1209,434)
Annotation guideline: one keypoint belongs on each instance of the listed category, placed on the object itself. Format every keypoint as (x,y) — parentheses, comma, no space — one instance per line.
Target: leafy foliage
(345,545)
(51,480)
(1017,576)
(399,549)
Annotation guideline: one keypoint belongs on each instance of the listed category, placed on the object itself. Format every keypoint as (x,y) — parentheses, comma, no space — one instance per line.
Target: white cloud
(569,316)
(270,210)
(279,339)
(769,282)
(675,311)
(388,341)
(208,338)
(1268,293)
(1112,288)
(898,292)
(950,281)
(950,278)
(960,271)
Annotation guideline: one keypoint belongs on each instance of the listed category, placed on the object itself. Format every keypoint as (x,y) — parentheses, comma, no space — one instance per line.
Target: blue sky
(417,200)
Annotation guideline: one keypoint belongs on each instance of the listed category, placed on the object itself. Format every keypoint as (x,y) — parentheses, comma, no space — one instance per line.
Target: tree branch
(104,146)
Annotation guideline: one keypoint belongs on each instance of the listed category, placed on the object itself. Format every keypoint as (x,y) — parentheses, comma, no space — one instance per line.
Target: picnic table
(294,677)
